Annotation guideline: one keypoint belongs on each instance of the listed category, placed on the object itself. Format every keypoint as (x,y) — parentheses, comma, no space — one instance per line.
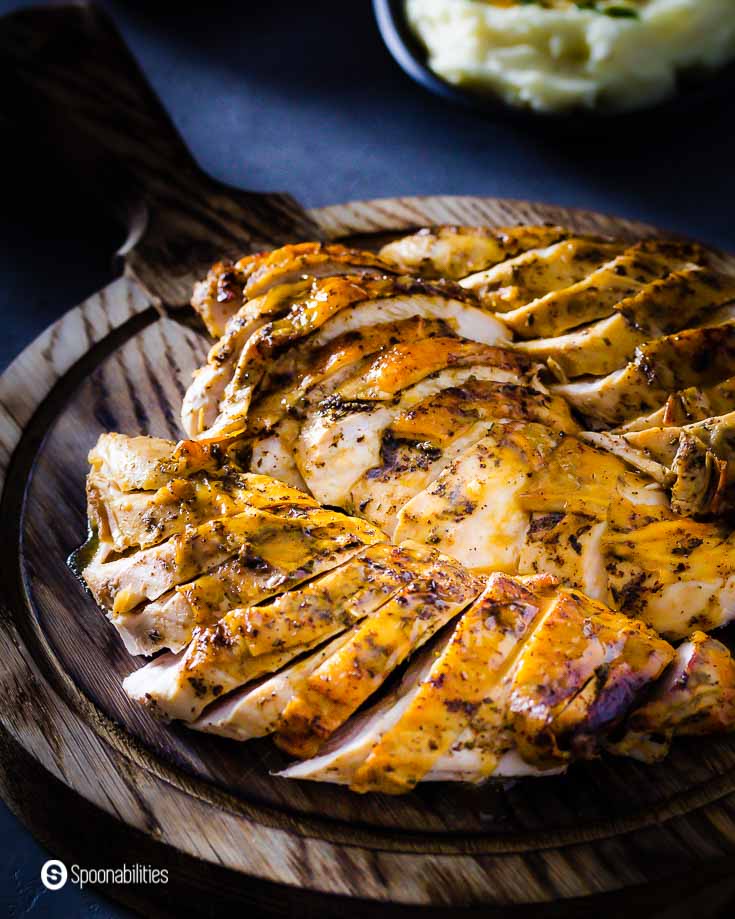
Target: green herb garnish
(620,12)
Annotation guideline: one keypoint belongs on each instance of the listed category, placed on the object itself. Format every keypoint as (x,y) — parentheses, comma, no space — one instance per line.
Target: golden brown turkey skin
(228,286)
(696,697)
(455,252)
(524,621)
(531,678)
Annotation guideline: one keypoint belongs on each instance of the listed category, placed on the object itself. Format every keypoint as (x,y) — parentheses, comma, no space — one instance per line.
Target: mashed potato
(557,55)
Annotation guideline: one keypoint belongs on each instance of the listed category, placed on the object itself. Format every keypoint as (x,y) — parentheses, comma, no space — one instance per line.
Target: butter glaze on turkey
(499,459)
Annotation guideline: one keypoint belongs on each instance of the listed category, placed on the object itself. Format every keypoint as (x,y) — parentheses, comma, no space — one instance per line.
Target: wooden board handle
(75,83)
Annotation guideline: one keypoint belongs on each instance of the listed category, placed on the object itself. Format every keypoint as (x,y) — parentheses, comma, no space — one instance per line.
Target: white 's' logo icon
(54,874)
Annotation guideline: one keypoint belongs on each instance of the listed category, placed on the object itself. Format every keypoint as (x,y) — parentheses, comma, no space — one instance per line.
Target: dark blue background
(303,97)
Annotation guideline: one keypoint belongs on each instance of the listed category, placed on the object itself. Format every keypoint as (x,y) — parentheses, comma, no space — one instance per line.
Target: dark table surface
(304,98)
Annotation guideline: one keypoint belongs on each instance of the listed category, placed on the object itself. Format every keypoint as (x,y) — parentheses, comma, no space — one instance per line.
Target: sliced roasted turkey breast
(695,357)
(217,403)
(229,286)
(537,272)
(683,298)
(471,510)
(222,657)
(597,294)
(430,531)
(455,252)
(340,439)
(695,696)
(530,678)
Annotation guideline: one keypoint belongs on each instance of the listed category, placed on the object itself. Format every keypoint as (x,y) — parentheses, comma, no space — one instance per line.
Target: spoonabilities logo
(54,874)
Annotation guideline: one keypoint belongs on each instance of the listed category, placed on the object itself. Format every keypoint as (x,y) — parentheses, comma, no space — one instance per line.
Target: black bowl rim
(409,55)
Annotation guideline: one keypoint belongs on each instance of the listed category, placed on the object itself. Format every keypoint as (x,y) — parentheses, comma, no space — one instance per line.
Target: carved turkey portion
(531,677)
(455,511)
(181,535)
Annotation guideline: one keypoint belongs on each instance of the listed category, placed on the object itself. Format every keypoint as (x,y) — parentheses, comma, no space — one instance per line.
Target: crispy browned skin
(406,363)
(228,285)
(536,559)
(440,418)
(696,697)
(337,688)
(218,401)
(531,678)
(290,379)
(580,672)
(675,572)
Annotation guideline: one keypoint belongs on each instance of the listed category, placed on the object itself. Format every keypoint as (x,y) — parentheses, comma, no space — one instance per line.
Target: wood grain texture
(210,804)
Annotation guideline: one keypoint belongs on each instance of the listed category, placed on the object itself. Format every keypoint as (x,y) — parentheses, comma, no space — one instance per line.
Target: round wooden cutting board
(102,783)
(115,363)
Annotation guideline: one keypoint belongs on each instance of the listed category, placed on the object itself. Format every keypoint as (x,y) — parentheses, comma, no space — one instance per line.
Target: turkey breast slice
(202,398)
(396,367)
(426,728)
(563,672)
(696,696)
(341,440)
(221,658)
(456,251)
(289,264)
(696,357)
(471,511)
(347,750)
(537,272)
(305,373)
(144,518)
(377,646)
(277,555)
(226,410)
(682,298)
(147,463)
(256,710)
(122,584)
(596,295)
(694,403)
(422,441)
(673,573)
